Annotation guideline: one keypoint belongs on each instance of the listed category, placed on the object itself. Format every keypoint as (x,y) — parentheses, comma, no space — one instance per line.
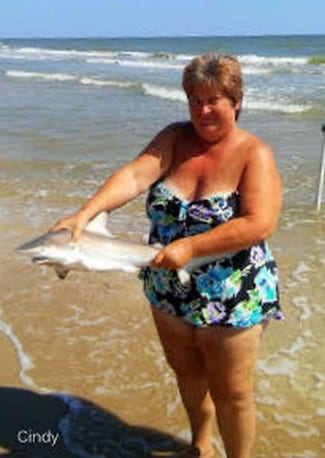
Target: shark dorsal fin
(98,225)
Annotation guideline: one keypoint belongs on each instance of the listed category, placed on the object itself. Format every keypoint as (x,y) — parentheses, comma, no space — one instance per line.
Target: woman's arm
(260,205)
(126,183)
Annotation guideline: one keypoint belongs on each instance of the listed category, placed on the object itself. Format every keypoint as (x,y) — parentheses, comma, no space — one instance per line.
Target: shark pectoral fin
(99,224)
(183,276)
(61,272)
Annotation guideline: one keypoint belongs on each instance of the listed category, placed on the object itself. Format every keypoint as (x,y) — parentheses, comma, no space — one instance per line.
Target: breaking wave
(251,101)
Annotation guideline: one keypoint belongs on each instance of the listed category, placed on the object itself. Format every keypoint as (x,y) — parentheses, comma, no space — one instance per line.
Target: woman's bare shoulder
(168,135)
(260,169)
(161,146)
(253,146)
(177,127)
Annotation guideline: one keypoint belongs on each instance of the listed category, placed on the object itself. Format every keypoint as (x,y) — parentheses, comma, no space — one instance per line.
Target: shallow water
(91,336)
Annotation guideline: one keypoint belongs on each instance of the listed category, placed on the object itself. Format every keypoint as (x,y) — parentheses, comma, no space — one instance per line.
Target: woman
(214,189)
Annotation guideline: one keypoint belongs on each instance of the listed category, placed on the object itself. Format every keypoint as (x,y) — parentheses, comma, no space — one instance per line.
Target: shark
(97,249)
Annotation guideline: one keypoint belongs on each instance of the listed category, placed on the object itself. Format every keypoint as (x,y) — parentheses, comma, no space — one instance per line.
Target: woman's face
(212,114)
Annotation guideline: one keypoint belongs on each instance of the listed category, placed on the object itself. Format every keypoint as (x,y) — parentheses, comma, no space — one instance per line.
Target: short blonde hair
(222,71)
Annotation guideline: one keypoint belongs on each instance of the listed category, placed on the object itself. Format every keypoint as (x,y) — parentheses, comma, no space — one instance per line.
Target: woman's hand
(174,255)
(75,223)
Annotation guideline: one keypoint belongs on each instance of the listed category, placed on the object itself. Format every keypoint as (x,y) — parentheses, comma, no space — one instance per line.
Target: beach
(81,357)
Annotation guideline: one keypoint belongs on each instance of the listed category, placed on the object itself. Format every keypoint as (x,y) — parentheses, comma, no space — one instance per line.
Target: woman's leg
(230,356)
(184,357)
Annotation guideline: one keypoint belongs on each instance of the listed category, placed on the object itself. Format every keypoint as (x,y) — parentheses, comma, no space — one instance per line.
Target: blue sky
(108,18)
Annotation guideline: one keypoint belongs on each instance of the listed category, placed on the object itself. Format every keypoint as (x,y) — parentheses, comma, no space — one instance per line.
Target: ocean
(72,111)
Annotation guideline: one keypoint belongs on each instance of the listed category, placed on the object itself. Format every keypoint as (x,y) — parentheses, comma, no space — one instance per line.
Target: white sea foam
(301,269)
(252,64)
(62,77)
(251,70)
(251,101)
(127,58)
(136,63)
(304,454)
(51,54)
(299,344)
(309,431)
(25,362)
(300,426)
(252,104)
(94,322)
(273,365)
(301,303)
(134,54)
(164,92)
(39,75)
(41,193)
(102,83)
(172,405)
(37,53)
(272,60)
(184,57)
(269,401)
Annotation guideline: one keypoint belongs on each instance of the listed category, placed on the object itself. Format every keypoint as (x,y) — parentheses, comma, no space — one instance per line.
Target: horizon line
(80,37)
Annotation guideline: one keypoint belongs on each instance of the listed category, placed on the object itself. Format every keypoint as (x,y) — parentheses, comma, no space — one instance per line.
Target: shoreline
(93,338)
(9,372)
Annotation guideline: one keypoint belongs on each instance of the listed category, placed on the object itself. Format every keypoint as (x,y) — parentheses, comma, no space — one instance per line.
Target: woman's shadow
(36,425)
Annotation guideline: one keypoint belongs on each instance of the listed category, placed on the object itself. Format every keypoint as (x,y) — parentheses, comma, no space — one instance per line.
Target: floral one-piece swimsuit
(238,289)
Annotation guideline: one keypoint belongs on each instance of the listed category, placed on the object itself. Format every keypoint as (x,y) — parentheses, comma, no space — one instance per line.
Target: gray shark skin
(97,250)
(92,251)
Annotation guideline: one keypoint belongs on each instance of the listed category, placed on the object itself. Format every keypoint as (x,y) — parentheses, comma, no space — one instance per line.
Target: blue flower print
(167,232)
(266,283)
(248,312)
(207,286)
(210,284)
(152,296)
(160,280)
(241,318)
(157,215)
(268,254)
(223,210)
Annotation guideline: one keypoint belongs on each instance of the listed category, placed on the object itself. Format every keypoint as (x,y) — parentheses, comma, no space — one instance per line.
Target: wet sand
(9,372)
(90,341)
(118,423)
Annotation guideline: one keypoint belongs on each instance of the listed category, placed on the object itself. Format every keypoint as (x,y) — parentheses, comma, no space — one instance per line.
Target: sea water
(72,111)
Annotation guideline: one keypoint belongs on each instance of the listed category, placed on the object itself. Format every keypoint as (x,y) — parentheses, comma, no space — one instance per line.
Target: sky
(131,18)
